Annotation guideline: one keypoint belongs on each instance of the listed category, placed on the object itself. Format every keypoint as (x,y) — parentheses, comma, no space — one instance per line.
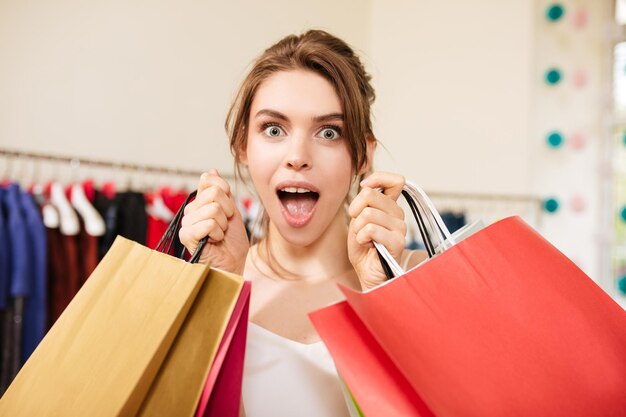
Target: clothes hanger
(159,210)
(50,216)
(8,172)
(41,194)
(68,219)
(94,223)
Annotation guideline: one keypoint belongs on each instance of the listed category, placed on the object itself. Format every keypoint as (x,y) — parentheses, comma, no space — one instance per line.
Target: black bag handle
(165,244)
(423,229)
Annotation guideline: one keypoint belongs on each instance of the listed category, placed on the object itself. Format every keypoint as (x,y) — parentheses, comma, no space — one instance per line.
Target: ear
(370,141)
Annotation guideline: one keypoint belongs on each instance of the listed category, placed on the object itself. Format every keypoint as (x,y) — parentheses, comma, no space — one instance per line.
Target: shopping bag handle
(168,237)
(430,225)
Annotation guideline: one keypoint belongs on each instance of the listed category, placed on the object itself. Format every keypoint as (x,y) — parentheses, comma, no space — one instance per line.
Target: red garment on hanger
(63,272)
(88,257)
(156,226)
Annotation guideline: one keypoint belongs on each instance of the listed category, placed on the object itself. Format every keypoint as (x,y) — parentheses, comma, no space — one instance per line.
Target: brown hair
(328,56)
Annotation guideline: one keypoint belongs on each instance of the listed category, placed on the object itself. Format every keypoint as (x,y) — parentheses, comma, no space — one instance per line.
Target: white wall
(453,84)
(150,82)
(147,82)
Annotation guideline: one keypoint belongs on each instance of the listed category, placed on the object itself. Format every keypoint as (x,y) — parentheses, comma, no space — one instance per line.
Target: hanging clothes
(19,285)
(102,201)
(43,265)
(5,289)
(35,314)
(159,217)
(173,200)
(88,256)
(453,220)
(88,241)
(57,276)
(126,216)
(5,270)
(66,281)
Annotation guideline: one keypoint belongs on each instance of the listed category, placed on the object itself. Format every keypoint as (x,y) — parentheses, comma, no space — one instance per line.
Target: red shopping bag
(501,324)
(222,391)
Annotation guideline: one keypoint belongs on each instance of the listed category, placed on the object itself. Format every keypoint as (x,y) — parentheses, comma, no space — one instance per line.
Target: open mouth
(298,204)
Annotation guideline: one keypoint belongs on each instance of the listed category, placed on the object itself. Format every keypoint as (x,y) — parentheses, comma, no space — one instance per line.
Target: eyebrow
(279,115)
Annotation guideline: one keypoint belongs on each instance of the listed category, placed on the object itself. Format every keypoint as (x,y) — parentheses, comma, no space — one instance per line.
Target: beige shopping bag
(141,332)
(180,382)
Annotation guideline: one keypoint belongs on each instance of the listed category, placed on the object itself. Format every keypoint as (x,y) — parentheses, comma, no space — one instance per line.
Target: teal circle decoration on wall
(554,12)
(551,205)
(554,139)
(553,76)
(621,284)
(622,214)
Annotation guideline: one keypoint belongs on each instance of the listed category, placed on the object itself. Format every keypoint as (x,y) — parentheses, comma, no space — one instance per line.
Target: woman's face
(296,154)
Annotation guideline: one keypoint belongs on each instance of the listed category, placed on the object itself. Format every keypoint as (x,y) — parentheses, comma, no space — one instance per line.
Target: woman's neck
(323,259)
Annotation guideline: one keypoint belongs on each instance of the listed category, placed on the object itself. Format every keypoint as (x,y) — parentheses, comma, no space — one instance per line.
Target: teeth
(295,190)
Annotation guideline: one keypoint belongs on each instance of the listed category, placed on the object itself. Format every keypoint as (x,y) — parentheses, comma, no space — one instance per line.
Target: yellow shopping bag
(139,338)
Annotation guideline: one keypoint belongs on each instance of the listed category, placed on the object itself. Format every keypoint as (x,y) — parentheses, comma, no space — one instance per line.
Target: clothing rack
(76,162)
(513,198)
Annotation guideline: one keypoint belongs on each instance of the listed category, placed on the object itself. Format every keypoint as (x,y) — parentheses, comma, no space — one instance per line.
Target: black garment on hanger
(102,203)
(125,216)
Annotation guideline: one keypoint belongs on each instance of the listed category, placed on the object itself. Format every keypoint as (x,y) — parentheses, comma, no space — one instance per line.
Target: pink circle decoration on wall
(578,204)
(579,78)
(577,141)
(579,18)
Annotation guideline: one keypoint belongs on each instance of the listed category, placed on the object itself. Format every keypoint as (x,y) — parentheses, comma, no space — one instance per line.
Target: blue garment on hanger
(5,266)
(19,286)
(18,243)
(453,221)
(415,245)
(35,317)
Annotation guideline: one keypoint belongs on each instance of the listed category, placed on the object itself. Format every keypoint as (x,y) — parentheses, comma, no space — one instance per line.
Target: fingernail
(213,171)
(362,183)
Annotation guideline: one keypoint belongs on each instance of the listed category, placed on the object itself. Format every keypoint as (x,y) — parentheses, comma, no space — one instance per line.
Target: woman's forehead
(296,93)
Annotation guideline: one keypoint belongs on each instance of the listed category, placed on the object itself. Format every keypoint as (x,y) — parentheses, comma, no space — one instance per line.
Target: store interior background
(496,108)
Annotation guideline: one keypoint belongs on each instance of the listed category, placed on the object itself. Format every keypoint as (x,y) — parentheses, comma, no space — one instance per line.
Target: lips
(298,201)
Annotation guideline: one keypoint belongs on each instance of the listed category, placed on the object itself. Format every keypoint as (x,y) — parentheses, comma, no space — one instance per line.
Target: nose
(298,155)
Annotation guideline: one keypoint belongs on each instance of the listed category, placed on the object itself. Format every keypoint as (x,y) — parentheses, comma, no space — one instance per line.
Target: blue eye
(331,132)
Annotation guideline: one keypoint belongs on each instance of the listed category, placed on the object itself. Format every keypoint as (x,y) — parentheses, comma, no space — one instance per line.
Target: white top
(285,378)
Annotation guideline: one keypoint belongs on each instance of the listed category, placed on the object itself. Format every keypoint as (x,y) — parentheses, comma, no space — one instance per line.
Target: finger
(211,195)
(208,211)
(212,177)
(217,194)
(205,228)
(371,215)
(392,240)
(390,183)
(369,197)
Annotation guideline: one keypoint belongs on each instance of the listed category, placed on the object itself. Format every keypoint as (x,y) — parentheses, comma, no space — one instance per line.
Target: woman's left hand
(376,216)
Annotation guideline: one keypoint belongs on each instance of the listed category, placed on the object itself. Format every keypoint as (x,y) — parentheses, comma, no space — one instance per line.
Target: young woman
(300,126)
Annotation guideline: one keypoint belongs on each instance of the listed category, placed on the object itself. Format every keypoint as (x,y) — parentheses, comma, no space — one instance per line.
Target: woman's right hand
(214,213)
